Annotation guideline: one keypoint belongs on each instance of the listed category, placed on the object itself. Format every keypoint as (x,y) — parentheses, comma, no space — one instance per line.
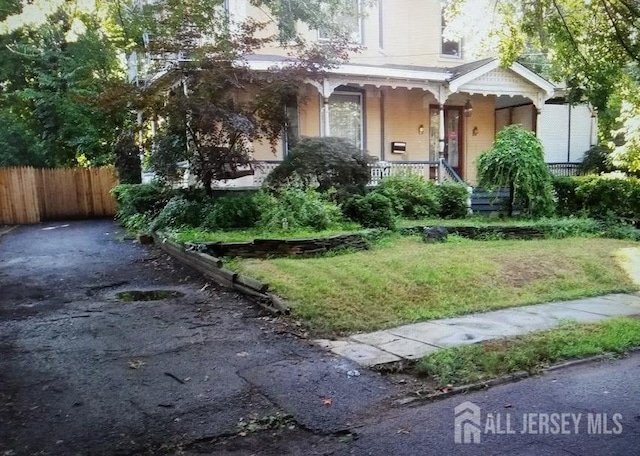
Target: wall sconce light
(468,108)
(474,132)
(421,129)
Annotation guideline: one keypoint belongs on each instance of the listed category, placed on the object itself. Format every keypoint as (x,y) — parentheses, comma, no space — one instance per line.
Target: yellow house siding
(482,118)
(405,111)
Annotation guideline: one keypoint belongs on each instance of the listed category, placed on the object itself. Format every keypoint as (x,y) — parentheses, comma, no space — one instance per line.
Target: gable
(499,81)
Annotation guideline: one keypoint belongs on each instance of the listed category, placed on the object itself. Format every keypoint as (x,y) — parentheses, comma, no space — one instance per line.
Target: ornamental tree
(516,161)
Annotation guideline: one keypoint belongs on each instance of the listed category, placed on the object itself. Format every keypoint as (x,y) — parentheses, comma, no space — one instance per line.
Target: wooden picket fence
(31,195)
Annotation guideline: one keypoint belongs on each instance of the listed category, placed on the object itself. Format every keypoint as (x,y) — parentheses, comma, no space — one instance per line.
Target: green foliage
(453,200)
(567,202)
(559,228)
(169,149)
(516,161)
(53,76)
(373,210)
(411,195)
(132,199)
(599,197)
(18,143)
(233,212)
(127,159)
(596,160)
(324,163)
(292,208)
(178,212)
(137,223)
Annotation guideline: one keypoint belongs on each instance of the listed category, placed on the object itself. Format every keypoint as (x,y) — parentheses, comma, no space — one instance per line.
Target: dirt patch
(519,273)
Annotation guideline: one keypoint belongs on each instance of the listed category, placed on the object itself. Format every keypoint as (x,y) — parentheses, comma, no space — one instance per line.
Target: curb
(512,378)
(213,268)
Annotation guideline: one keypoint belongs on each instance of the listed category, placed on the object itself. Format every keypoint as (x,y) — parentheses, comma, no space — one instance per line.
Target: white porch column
(326,93)
(325,89)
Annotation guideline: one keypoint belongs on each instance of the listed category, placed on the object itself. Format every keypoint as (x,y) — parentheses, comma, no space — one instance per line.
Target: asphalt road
(82,372)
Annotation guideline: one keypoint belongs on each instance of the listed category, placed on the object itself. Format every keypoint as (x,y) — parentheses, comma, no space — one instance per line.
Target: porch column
(441,143)
(326,130)
(326,93)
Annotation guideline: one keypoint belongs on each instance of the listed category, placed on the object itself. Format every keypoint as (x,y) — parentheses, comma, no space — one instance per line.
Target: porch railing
(382,169)
(564,169)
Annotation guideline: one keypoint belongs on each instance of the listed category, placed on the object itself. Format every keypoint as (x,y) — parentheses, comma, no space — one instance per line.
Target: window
(292,128)
(350,19)
(449,48)
(345,117)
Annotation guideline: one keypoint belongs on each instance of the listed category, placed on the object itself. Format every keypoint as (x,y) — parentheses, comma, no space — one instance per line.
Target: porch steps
(484,201)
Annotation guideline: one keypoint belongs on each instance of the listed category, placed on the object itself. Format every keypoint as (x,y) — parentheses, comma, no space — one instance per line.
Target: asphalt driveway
(82,372)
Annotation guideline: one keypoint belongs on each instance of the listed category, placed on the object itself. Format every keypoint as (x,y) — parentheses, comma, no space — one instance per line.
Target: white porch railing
(382,169)
(434,170)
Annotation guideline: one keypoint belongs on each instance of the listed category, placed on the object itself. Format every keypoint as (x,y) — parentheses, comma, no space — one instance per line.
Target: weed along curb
(213,268)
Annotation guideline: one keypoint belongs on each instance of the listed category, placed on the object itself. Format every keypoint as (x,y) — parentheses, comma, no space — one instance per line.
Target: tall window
(449,48)
(350,19)
(345,117)
(292,127)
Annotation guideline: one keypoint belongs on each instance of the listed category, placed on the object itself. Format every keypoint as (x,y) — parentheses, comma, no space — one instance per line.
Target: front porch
(430,121)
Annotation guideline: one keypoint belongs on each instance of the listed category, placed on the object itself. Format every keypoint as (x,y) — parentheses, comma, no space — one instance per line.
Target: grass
(202,235)
(404,280)
(474,363)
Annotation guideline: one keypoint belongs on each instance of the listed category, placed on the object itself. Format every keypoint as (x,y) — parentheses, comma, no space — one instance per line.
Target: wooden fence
(30,195)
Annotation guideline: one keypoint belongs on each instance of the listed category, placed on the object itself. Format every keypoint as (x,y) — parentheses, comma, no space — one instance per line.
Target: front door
(453,141)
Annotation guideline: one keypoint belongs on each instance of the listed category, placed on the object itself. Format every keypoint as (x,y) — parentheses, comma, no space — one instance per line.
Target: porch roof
(482,76)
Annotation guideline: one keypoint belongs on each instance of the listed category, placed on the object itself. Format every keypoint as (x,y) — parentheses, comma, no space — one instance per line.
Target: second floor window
(350,20)
(448,47)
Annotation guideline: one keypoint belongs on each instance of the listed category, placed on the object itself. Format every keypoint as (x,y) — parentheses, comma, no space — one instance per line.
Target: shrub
(596,160)
(559,228)
(178,213)
(291,208)
(372,211)
(232,212)
(453,200)
(516,161)
(599,197)
(140,199)
(567,201)
(410,195)
(324,163)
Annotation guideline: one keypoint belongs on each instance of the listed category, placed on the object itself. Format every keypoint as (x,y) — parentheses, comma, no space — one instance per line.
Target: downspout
(569,137)
(383,140)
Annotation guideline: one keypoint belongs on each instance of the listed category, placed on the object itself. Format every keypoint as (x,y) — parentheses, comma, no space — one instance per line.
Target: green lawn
(479,362)
(405,280)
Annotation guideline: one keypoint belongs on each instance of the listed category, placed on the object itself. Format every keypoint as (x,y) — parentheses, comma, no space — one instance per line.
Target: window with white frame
(448,47)
(350,19)
(346,118)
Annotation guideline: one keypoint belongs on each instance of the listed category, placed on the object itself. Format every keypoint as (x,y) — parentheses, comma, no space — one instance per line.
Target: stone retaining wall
(263,248)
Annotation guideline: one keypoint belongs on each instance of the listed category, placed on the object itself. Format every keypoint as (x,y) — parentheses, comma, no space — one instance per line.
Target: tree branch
(619,35)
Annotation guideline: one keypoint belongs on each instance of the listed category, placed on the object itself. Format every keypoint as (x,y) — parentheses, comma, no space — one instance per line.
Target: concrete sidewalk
(416,340)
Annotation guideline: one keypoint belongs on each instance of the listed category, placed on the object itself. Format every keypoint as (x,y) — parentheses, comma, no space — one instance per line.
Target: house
(414,100)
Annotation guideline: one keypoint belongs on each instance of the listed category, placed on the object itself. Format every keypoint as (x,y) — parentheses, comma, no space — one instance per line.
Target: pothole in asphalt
(148,295)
